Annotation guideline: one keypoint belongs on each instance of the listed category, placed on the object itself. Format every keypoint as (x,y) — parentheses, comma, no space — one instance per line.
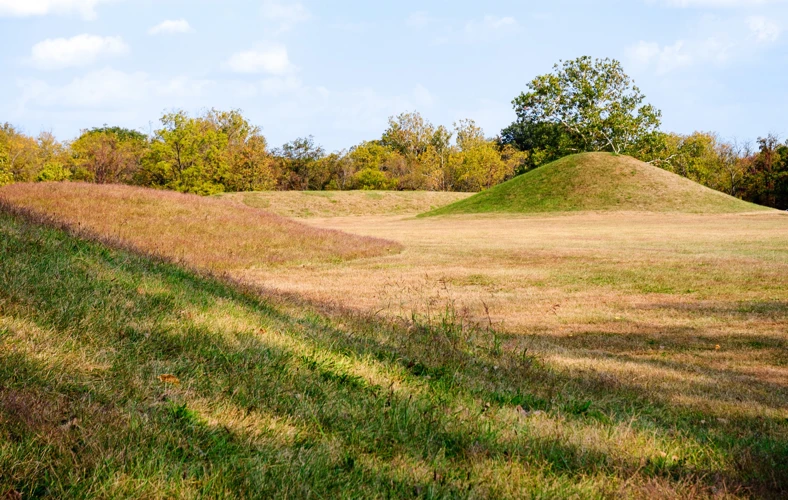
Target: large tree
(583,105)
(301,165)
(108,154)
(207,154)
(767,178)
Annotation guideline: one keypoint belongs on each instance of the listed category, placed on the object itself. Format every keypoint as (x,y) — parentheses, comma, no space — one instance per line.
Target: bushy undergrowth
(121,376)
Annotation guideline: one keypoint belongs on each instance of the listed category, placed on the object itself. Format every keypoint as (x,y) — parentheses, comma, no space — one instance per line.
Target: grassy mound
(210,233)
(304,204)
(598,181)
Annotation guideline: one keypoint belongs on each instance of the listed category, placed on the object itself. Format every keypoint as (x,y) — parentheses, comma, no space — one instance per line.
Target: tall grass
(122,376)
(218,235)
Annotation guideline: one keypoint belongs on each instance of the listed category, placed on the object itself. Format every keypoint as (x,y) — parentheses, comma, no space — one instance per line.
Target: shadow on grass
(273,402)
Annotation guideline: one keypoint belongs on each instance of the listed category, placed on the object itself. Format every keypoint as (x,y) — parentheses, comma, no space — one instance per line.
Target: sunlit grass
(276,399)
(632,354)
(218,235)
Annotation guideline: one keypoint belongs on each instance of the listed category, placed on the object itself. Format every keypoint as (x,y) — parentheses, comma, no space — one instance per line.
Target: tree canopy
(583,105)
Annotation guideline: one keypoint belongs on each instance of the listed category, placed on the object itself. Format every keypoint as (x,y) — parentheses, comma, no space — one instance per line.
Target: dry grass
(210,233)
(643,298)
(304,204)
(647,350)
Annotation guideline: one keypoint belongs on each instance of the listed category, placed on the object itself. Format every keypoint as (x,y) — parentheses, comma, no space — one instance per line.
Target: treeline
(583,105)
(220,151)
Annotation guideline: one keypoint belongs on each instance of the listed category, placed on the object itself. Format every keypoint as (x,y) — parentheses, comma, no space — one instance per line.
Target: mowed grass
(218,235)
(274,399)
(598,182)
(305,204)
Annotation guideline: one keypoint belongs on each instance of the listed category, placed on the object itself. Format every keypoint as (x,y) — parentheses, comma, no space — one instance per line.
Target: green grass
(277,399)
(598,182)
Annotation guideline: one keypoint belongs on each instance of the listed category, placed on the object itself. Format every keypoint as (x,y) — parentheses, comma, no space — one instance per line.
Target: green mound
(598,181)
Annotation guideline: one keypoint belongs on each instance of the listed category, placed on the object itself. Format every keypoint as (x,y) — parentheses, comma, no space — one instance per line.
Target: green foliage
(22,157)
(372,179)
(584,105)
(302,166)
(6,176)
(409,134)
(54,172)
(108,155)
(767,174)
(207,154)
(478,163)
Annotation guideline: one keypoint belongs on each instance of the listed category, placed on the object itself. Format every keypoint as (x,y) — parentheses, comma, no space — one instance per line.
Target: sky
(337,70)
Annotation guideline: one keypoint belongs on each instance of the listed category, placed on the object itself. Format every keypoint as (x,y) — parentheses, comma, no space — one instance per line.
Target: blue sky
(338,69)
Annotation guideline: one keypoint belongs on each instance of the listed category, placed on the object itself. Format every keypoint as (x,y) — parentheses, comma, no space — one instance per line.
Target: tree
(477,163)
(409,134)
(19,156)
(207,154)
(543,141)
(108,154)
(301,166)
(584,105)
(249,166)
(6,176)
(186,155)
(767,179)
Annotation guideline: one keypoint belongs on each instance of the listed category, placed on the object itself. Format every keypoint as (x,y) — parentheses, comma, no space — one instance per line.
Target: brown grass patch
(638,300)
(209,233)
(306,204)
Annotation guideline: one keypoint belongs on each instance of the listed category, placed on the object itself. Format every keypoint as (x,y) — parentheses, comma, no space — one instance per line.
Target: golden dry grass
(305,204)
(634,298)
(688,313)
(213,234)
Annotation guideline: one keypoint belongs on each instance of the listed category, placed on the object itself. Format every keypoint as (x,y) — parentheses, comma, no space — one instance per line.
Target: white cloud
(265,58)
(764,29)
(286,14)
(108,89)
(718,42)
(663,58)
(80,50)
(171,27)
(290,107)
(27,8)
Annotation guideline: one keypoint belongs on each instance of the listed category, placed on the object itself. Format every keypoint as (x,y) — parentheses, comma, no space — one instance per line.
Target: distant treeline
(221,151)
(584,105)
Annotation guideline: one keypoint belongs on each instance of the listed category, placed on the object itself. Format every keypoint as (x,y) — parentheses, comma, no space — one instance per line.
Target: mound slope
(307,204)
(598,181)
(210,233)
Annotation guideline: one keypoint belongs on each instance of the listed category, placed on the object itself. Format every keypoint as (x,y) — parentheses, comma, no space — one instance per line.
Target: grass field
(305,204)
(631,354)
(598,182)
